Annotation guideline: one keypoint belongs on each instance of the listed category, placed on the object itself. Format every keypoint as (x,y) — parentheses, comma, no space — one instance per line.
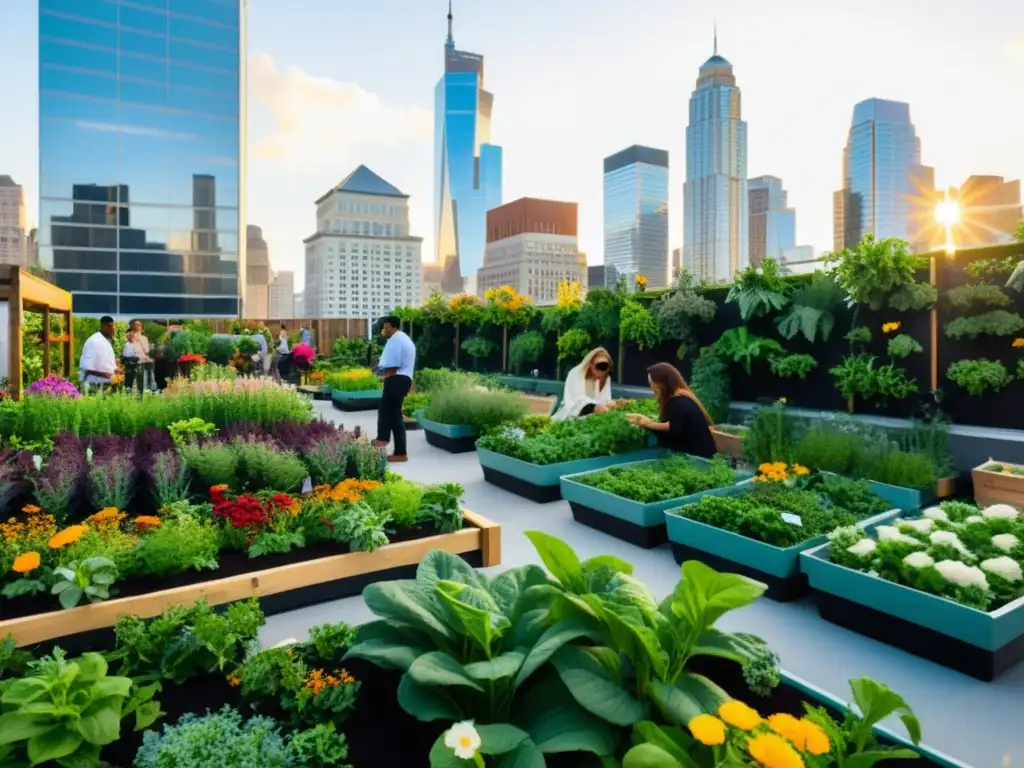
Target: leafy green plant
(319,747)
(189,430)
(903,346)
(997,322)
(478,347)
(90,579)
(769,436)
(353,380)
(186,539)
(710,382)
(979,376)
(265,467)
(855,376)
(170,479)
(525,350)
(573,344)
(361,527)
(637,326)
(415,402)
(741,346)
(811,310)
(878,271)
(759,291)
(441,507)
(219,739)
(111,482)
(399,497)
(669,478)
(599,315)
(213,464)
(859,335)
(475,408)
(964,297)
(788,366)
(679,310)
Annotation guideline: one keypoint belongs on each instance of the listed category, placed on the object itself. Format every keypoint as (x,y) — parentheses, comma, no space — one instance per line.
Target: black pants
(389,412)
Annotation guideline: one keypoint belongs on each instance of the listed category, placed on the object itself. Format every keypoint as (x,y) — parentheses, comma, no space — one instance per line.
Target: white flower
(88,455)
(514,433)
(918,560)
(463,738)
(863,547)
(935,513)
(891,533)
(1005,541)
(37,462)
(923,525)
(962,574)
(1000,511)
(975,519)
(841,532)
(950,538)
(1003,566)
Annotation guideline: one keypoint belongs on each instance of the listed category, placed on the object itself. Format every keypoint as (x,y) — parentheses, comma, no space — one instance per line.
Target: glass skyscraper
(772,227)
(715,237)
(142,180)
(881,173)
(636,215)
(467,167)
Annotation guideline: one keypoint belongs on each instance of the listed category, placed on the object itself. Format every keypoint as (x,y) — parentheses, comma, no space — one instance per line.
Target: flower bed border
(366,400)
(997,487)
(729,552)
(541,483)
(982,645)
(280,589)
(641,524)
(454,438)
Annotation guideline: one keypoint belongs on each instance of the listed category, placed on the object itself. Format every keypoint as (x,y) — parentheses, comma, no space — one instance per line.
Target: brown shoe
(397,458)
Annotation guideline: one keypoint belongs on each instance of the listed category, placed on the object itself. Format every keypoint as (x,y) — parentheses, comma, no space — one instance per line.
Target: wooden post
(69,345)
(14,332)
(46,341)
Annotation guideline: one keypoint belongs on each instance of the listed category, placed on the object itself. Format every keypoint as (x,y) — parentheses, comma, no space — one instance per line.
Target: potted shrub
(729,439)
(999,482)
(455,418)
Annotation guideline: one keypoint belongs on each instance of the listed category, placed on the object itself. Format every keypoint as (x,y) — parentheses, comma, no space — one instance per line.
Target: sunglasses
(602,366)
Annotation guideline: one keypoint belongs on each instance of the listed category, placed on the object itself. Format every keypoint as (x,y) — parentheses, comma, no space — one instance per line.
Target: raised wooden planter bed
(454,438)
(280,589)
(979,644)
(639,523)
(541,482)
(367,400)
(994,483)
(727,443)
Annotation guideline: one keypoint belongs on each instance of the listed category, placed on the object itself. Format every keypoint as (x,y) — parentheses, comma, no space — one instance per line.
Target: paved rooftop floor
(981,724)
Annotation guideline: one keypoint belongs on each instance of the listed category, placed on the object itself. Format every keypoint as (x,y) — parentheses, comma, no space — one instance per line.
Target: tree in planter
(637,326)
(478,347)
(679,310)
(464,311)
(507,308)
(741,346)
(525,350)
(410,317)
(559,318)
(600,314)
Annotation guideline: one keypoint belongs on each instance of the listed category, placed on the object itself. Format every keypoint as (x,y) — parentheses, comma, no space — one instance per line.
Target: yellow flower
(890,327)
(766,467)
(69,535)
(143,521)
(800,470)
(30,509)
(772,751)
(641,280)
(817,741)
(739,715)
(26,562)
(1019,342)
(708,730)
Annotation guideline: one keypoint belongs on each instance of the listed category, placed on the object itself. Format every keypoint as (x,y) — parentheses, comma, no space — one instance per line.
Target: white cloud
(317,121)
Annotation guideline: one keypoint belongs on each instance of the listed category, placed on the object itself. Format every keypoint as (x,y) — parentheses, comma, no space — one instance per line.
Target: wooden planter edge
(479,534)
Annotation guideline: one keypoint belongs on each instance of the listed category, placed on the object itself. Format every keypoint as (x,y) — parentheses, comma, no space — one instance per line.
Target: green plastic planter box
(454,438)
(907,499)
(979,644)
(541,482)
(366,400)
(723,550)
(639,523)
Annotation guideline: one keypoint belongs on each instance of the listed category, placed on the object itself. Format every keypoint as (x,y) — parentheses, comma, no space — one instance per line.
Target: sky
(337,83)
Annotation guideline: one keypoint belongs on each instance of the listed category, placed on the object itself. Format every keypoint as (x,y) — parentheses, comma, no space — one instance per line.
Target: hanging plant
(810,311)
(741,346)
(877,272)
(979,376)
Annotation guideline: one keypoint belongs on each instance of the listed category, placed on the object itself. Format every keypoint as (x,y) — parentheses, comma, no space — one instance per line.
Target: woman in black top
(684,426)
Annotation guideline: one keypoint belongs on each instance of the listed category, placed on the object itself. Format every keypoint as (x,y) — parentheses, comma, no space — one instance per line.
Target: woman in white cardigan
(588,388)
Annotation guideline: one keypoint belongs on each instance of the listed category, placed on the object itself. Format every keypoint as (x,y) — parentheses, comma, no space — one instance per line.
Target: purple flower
(53,386)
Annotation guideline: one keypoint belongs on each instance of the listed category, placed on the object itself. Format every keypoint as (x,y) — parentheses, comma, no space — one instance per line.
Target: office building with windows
(636,215)
(282,296)
(772,226)
(361,262)
(883,181)
(715,218)
(13,238)
(141,155)
(467,167)
(257,275)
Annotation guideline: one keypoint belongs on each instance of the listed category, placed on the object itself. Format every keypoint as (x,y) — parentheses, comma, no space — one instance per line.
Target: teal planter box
(355,401)
(637,522)
(454,438)
(907,499)
(541,482)
(983,645)
(727,551)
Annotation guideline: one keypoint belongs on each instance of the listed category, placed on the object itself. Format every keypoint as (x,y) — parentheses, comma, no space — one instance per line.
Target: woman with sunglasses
(684,424)
(588,388)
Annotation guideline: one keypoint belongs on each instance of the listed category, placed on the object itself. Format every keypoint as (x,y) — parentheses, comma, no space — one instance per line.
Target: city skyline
(314,114)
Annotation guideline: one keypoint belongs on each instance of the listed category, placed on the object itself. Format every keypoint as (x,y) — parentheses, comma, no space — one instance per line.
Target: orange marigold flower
(800,470)
(69,535)
(30,509)
(817,741)
(234,682)
(1018,343)
(26,562)
(219,488)
(789,727)
(772,751)
(739,715)
(143,521)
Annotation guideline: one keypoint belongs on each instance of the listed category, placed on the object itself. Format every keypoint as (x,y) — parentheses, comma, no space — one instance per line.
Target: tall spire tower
(450,42)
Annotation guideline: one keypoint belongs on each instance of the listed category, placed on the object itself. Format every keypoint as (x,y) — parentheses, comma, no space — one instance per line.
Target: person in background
(130,360)
(280,352)
(144,359)
(587,387)
(97,365)
(684,424)
(396,365)
(304,336)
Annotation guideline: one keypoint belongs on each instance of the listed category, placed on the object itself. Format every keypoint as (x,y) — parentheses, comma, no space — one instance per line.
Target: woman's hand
(638,420)
(602,407)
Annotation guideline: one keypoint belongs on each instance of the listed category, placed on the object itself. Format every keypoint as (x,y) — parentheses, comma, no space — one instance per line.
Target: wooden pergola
(26,292)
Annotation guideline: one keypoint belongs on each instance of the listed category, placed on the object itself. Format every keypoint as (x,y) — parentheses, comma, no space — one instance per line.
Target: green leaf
(670,739)
(705,595)
(526,755)
(23,691)
(877,701)
(475,623)
(406,603)
(443,756)
(649,756)
(632,636)
(86,756)
(554,638)
(438,565)
(112,686)
(608,561)
(870,758)
(500,738)
(559,558)
(589,683)
(146,714)
(101,727)
(509,586)
(691,695)
(725,645)
(21,726)
(53,744)
(425,704)
(91,666)
(440,669)
(568,728)
(70,596)
(497,668)
(387,645)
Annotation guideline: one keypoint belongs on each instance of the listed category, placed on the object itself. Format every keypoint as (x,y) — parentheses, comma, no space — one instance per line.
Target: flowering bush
(192,358)
(954,550)
(354,380)
(779,472)
(53,386)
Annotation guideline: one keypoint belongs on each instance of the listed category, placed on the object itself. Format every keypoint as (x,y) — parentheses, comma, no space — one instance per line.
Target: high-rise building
(598,276)
(282,296)
(467,167)
(715,202)
(636,214)
(990,211)
(531,246)
(141,154)
(362,262)
(677,262)
(882,177)
(13,246)
(257,275)
(772,226)
(300,305)
(798,260)
(433,275)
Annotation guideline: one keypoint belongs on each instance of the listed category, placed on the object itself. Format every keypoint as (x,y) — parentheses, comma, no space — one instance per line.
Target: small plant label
(792,519)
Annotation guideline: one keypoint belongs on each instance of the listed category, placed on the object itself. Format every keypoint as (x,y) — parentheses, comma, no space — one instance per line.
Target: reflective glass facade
(141,114)
(880,165)
(772,226)
(467,167)
(715,205)
(636,215)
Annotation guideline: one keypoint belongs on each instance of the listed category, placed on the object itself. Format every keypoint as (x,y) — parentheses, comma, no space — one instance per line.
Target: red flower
(244,512)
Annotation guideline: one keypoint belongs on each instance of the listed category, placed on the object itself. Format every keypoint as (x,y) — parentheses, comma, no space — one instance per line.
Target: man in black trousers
(397,363)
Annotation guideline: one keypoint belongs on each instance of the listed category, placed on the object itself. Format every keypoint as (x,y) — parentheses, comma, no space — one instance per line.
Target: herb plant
(669,478)
(788,366)
(478,409)
(979,376)
(759,291)
(710,382)
(997,322)
(90,579)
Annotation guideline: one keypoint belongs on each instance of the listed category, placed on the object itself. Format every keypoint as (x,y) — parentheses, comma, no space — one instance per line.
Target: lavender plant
(170,479)
(110,482)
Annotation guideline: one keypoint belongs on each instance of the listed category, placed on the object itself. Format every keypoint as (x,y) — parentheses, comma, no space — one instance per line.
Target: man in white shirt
(97,365)
(397,363)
